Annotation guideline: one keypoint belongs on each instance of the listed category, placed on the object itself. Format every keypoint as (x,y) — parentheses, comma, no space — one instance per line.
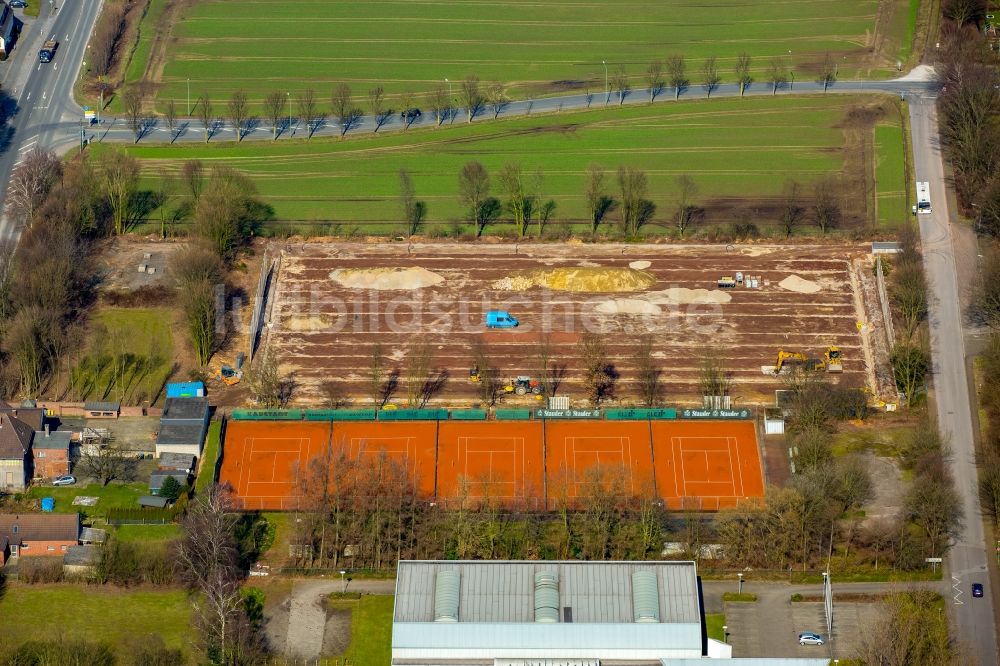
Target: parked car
(18,4)
(67,480)
(809,638)
(977,589)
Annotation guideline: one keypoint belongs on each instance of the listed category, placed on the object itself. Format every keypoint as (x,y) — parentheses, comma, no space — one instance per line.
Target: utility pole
(288,104)
(607,95)
(81,136)
(189,97)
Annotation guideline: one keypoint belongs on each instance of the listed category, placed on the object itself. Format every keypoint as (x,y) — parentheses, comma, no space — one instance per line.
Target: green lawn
(371,629)
(209,458)
(739,152)
(114,495)
(142,339)
(537,47)
(714,624)
(95,613)
(890,174)
(148,532)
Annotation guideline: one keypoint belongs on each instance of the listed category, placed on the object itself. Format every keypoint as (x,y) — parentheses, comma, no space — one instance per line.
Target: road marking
(29,144)
(28,98)
(958,591)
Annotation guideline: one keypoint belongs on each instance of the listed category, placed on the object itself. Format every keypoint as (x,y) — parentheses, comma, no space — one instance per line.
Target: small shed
(81,560)
(157,478)
(92,535)
(183,426)
(102,410)
(152,502)
(178,462)
(774,421)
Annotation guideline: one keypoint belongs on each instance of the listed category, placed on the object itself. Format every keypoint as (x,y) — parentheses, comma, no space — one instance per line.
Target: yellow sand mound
(585,279)
(385,278)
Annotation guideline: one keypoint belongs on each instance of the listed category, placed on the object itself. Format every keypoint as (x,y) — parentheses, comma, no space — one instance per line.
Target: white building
(552,614)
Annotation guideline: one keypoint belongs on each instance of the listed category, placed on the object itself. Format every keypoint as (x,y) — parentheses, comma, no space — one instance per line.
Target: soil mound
(628,306)
(387,279)
(800,285)
(308,323)
(585,279)
(685,296)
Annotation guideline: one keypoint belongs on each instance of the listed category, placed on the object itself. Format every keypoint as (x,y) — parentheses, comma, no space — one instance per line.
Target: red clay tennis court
(706,465)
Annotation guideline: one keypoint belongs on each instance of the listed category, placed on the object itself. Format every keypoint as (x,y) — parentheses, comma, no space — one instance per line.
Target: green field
(891,182)
(112,496)
(536,48)
(148,532)
(40,612)
(142,341)
(209,458)
(371,628)
(713,626)
(739,152)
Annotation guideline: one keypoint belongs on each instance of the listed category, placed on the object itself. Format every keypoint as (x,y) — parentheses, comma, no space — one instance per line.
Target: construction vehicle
(474,375)
(523,385)
(48,51)
(230,375)
(830,362)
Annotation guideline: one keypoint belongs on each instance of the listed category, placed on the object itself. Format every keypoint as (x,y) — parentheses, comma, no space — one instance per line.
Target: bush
(117,516)
(125,564)
(66,652)
(40,569)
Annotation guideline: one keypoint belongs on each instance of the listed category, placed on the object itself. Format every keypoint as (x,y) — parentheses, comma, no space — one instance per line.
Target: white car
(67,480)
(810,638)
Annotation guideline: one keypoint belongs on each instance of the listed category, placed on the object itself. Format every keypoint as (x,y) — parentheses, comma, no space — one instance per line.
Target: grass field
(113,496)
(714,624)
(142,339)
(739,152)
(891,182)
(148,532)
(371,628)
(536,48)
(209,458)
(39,612)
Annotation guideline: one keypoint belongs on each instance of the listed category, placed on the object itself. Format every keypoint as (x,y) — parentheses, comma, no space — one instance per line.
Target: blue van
(500,319)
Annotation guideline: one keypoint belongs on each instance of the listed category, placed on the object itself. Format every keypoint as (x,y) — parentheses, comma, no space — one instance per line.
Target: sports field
(740,154)
(536,48)
(710,464)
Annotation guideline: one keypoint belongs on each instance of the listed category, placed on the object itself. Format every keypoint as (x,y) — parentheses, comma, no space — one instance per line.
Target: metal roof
(102,406)
(185,409)
(503,592)
(749,661)
(181,461)
(183,433)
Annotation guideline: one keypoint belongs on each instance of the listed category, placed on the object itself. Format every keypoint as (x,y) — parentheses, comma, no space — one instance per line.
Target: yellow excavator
(230,375)
(830,362)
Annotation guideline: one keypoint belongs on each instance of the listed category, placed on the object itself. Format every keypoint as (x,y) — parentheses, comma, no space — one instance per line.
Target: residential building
(183,426)
(8,29)
(51,451)
(538,613)
(15,452)
(37,534)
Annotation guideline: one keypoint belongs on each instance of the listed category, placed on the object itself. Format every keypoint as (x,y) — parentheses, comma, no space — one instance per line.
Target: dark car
(18,4)
(977,589)
(410,114)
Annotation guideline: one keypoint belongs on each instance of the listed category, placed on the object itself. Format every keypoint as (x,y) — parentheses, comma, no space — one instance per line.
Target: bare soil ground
(121,262)
(323,330)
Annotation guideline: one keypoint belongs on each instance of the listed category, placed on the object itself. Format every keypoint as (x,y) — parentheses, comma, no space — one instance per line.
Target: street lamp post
(607,95)
(725,634)
(740,575)
(189,97)
(288,104)
(343,582)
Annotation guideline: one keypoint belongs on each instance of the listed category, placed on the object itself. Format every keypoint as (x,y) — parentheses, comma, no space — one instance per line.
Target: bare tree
(598,201)
(910,630)
(654,79)
(196,272)
(742,71)
(519,200)
(305,106)
(490,384)
(30,182)
(170,117)
(598,373)
(107,462)
(714,377)
(496,96)
(474,192)
(193,173)
(440,103)
(274,106)
(418,367)
(964,11)
(828,72)
(687,190)
(676,74)
(777,73)
(120,179)
(710,75)
(376,102)
(826,204)
(620,83)
(376,375)
(635,208)
(549,370)
(205,114)
(132,102)
(239,112)
(227,211)
(472,96)
(791,207)
(910,365)
(407,114)
(344,109)
(648,373)
(413,210)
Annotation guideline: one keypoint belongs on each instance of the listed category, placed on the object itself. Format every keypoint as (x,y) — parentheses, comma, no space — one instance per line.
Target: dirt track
(323,331)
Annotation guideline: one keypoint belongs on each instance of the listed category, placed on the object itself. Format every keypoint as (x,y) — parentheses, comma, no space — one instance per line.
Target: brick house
(37,534)
(50,451)
(15,452)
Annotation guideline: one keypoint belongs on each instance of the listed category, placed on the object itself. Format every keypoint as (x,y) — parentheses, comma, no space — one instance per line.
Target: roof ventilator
(645,597)
(546,596)
(446,596)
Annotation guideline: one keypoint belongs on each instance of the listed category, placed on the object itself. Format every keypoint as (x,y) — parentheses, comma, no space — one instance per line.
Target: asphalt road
(43,109)
(966,561)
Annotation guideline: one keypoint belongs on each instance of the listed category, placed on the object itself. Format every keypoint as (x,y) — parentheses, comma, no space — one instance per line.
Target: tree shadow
(680,89)
(214,127)
(8,109)
(383,118)
(433,384)
(656,91)
(499,107)
(605,205)
(180,130)
(251,124)
(476,109)
(489,212)
(557,376)
(142,204)
(389,387)
(313,124)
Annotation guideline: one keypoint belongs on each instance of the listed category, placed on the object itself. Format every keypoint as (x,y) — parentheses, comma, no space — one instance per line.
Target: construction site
(758,312)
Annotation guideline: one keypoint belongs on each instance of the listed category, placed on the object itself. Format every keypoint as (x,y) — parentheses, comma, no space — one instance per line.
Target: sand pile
(684,296)
(639,265)
(800,285)
(586,279)
(304,323)
(385,278)
(627,306)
